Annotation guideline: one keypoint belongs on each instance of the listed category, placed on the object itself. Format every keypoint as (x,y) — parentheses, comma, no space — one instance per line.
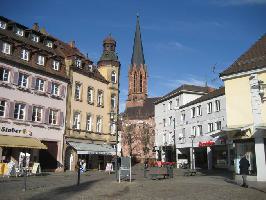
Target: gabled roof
(185,89)
(253,58)
(141,112)
(211,95)
(137,55)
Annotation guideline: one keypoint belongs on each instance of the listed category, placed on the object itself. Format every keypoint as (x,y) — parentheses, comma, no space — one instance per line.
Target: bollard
(78,166)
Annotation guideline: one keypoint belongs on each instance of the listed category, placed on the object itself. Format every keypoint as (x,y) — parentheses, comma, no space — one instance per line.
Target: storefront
(96,156)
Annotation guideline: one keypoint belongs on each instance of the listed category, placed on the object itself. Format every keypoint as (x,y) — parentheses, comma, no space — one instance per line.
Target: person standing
(244,165)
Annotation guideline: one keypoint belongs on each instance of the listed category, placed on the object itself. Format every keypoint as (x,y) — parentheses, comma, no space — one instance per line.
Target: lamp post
(174,142)
(192,137)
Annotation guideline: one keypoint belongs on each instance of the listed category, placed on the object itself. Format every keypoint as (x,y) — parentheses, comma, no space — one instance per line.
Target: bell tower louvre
(137,74)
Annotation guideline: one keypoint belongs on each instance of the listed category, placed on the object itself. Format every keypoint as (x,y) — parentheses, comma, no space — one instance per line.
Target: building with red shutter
(33,85)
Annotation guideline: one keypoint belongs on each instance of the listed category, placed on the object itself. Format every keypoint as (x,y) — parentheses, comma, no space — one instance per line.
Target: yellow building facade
(245,83)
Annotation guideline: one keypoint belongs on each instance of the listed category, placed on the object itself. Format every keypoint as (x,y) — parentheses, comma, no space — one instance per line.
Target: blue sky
(182,40)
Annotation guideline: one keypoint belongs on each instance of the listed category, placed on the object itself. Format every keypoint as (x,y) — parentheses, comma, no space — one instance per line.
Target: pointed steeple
(137,55)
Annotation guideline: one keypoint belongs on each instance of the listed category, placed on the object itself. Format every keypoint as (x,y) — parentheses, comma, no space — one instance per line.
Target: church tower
(137,74)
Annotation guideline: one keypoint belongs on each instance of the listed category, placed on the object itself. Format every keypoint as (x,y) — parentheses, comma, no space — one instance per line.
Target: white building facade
(167,117)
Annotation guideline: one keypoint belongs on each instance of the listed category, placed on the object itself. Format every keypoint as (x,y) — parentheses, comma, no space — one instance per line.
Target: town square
(133,99)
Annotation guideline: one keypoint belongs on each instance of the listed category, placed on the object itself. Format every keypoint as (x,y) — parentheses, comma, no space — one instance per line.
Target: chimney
(35,27)
(72,44)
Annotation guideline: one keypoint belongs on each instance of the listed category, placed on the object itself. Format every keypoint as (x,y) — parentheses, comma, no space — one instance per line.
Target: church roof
(137,55)
(253,58)
(141,112)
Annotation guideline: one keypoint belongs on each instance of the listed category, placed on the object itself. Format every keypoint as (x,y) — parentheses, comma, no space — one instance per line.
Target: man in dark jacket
(244,165)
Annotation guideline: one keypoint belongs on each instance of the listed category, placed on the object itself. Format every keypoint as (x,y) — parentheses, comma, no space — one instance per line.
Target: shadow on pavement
(65,191)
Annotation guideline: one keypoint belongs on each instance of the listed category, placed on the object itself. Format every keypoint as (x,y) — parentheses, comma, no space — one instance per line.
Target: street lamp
(192,137)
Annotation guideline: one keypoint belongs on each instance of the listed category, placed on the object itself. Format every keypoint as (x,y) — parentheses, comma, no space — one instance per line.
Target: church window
(135,81)
(140,83)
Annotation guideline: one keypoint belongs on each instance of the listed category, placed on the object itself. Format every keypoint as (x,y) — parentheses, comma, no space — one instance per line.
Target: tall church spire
(137,55)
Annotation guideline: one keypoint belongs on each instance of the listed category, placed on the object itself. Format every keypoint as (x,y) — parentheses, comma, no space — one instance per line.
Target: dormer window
(78,63)
(2,25)
(49,44)
(25,54)
(20,32)
(35,38)
(90,68)
(40,60)
(6,48)
(56,65)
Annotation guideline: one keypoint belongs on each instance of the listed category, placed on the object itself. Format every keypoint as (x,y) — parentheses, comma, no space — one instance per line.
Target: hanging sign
(206,143)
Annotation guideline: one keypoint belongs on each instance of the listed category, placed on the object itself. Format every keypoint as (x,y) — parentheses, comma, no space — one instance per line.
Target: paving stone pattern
(100,185)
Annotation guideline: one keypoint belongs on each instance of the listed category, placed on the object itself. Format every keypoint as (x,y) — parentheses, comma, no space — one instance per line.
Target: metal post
(174,142)
(25,171)
(78,172)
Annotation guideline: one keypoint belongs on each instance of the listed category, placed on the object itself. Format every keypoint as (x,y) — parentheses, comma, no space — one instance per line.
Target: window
(40,60)
(209,107)
(113,77)
(170,104)
(35,38)
(177,102)
(25,54)
(193,112)
(217,105)
(89,122)
(218,125)
(49,44)
(100,98)
(199,113)
(99,124)
(2,108)
(19,111)
(53,117)
(113,103)
(164,122)
(76,120)
(183,117)
(135,81)
(56,65)
(6,48)
(164,107)
(55,89)
(90,95)
(210,127)
(39,85)
(37,114)
(78,63)
(19,32)
(2,25)
(78,91)
(23,80)
(183,134)
(4,74)
(199,130)
(170,121)
(194,130)
(140,83)
(112,127)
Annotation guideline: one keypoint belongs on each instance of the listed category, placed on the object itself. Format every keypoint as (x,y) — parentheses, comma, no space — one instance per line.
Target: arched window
(113,102)
(135,81)
(113,77)
(140,82)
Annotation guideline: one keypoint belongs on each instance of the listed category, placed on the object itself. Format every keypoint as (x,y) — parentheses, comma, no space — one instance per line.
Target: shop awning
(85,148)
(21,142)
(237,128)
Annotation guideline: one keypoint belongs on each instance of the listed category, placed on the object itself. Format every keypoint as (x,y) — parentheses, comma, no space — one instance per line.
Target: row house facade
(199,136)
(92,107)
(167,119)
(33,85)
(245,87)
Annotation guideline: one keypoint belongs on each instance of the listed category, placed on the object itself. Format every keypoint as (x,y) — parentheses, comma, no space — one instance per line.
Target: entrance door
(48,157)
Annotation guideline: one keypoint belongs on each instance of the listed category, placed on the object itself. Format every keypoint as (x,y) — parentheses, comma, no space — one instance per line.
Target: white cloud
(238,2)
(173,45)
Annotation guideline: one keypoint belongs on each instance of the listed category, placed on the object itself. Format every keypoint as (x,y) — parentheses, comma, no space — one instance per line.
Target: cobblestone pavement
(99,185)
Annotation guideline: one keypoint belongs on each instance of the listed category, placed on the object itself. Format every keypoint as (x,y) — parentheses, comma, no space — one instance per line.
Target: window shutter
(10,110)
(46,116)
(29,112)
(62,91)
(15,78)
(61,119)
(33,82)
(49,87)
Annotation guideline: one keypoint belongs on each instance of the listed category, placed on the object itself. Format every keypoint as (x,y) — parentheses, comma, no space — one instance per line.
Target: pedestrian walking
(243,166)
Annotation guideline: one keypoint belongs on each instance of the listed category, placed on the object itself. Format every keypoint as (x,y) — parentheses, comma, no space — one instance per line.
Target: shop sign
(206,143)
(14,130)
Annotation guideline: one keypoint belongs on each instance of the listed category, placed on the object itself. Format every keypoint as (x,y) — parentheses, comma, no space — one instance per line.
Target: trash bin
(170,171)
